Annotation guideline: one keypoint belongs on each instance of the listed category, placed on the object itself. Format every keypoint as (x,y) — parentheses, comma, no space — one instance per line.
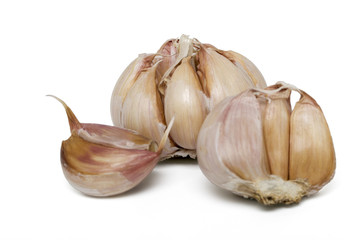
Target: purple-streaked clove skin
(100,160)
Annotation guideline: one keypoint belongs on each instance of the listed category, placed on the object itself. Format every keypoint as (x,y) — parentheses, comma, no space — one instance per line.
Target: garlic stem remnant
(254,145)
(100,160)
(186,79)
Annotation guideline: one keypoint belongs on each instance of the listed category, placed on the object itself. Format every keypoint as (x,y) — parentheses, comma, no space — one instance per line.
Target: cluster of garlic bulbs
(185,79)
(254,145)
(192,99)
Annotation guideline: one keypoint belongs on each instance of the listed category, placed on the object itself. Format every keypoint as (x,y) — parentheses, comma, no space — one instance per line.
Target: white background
(76,50)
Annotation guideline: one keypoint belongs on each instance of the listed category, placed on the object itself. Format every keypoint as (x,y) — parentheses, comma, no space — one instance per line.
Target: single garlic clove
(248,66)
(125,82)
(230,144)
(312,154)
(142,109)
(219,77)
(100,170)
(185,100)
(246,137)
(208,144)
(100,160)
(276,126)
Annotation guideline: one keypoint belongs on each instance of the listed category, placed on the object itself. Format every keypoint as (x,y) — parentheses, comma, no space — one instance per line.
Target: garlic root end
(275,190)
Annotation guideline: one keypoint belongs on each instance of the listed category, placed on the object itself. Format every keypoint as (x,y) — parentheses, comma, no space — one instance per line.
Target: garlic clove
(142,110)
(231,141)
(312,154)
(125,82)
(249,67)
(208,144)
(101,160)
(100,170)
(185,100)
(277,132)
(219,77)
(247,138)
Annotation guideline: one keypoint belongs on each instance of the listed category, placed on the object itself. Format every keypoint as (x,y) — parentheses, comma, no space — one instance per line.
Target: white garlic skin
(231,152)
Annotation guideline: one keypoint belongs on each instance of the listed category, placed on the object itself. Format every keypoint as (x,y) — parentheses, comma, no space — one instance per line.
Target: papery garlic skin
(248,66)
(168,54)
(100,160)
(231,152)
(185,100)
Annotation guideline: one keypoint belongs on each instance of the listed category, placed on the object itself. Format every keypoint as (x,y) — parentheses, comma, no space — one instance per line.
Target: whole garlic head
(186,79)
(254,145)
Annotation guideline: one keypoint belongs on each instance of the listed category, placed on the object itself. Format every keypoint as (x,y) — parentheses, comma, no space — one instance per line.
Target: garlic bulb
(100,160)
(186,79)
(254,145)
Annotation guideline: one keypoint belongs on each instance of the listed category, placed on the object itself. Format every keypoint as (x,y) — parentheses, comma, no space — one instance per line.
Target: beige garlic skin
(186,79)
(253,145)
(100,160)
